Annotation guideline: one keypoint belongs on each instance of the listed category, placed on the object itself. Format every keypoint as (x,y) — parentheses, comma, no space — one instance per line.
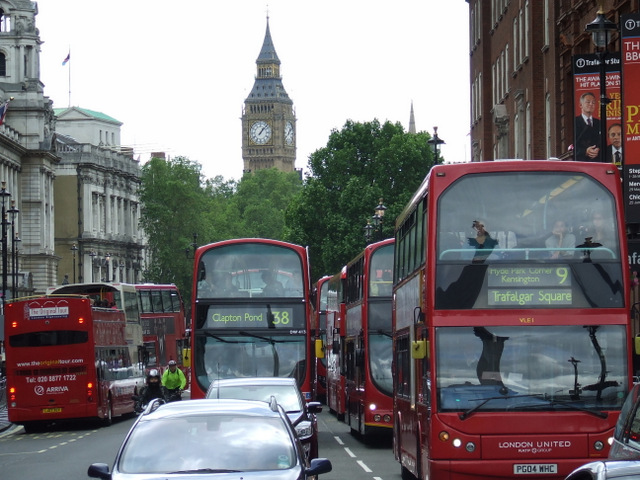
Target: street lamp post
(373,232)
(435,143)
(16,240)
(601,30)
(13,211)
(4,194)
(193,245)
(74,249)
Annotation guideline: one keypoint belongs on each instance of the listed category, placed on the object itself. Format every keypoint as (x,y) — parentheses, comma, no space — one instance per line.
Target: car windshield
(286,395)
(208,443)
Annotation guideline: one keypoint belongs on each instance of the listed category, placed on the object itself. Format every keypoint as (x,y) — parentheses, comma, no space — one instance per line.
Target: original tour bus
(163,321)
(368,380)
(121,296)
(68,359)
(251,313)
(511,320)
(334,344)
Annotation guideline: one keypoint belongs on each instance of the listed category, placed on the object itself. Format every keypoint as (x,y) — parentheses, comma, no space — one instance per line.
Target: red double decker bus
(335,331)
(163,321)
(251,313)
(511,320)
(67,359)
(319,326)
(367,341)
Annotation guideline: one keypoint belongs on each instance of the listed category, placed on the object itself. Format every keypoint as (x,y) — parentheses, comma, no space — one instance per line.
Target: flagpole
(69,57)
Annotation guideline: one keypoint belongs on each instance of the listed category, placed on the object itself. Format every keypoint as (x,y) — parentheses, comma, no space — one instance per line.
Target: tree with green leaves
(174,205)
(361,163)
(177,203)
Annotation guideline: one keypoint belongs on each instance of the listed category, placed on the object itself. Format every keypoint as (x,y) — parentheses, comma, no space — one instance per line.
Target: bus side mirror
(419,349)
(319,348)
(186,357)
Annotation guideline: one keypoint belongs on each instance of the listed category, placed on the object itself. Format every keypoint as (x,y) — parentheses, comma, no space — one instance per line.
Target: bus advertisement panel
(251,313)
(511,329)
(368,378)
(67,359)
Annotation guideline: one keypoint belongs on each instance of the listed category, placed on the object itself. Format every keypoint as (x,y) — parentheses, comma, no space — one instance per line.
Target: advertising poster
(630,55)
(587,122)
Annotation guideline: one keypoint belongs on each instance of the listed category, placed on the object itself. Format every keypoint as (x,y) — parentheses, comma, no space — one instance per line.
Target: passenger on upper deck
(272,287)
(483,242)
(563,240)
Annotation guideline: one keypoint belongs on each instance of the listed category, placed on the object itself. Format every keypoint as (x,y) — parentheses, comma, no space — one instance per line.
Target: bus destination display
(523,285)
(253,317)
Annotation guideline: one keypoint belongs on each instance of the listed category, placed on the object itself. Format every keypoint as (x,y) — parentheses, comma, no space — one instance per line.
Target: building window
(3,65)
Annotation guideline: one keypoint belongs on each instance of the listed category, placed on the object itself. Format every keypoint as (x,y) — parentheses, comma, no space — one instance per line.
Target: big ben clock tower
(268,120)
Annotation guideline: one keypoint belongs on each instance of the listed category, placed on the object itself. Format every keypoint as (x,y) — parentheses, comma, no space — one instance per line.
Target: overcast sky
(177,73)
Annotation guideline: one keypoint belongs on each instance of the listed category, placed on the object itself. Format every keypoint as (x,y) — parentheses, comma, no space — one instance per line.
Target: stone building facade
(70,198)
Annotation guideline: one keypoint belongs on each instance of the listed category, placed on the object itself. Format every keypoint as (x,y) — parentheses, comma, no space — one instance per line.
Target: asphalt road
(65,452)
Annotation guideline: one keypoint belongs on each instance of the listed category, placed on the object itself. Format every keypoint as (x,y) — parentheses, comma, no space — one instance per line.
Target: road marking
(349,452)
(364,467)
(340,442)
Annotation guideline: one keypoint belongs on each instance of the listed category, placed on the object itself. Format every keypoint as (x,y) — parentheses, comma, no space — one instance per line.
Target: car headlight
(304,430)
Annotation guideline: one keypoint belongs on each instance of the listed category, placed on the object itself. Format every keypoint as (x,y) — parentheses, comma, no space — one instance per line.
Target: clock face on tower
(260,132)
(288,133)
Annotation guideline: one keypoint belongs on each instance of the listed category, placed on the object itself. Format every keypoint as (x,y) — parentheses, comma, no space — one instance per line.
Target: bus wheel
(33,427)
(108,420)
(405,474)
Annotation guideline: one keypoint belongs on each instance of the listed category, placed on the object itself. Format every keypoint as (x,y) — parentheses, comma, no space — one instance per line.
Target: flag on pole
(67,58)
(3,111)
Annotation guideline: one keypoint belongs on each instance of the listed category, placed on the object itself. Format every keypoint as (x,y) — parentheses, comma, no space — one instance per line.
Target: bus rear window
(49,338)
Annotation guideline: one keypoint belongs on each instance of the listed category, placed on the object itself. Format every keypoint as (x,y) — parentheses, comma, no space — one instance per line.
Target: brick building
(521,72)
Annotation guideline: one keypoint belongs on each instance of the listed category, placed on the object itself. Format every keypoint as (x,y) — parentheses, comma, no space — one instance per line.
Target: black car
(286,392)
(212,439)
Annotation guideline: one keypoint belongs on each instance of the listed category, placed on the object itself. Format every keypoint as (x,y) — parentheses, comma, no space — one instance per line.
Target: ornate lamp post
(601,30)
(5,195)
(373,232)
(435,143)
(74,249)
(13,211)
(194,246)
(16,239)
